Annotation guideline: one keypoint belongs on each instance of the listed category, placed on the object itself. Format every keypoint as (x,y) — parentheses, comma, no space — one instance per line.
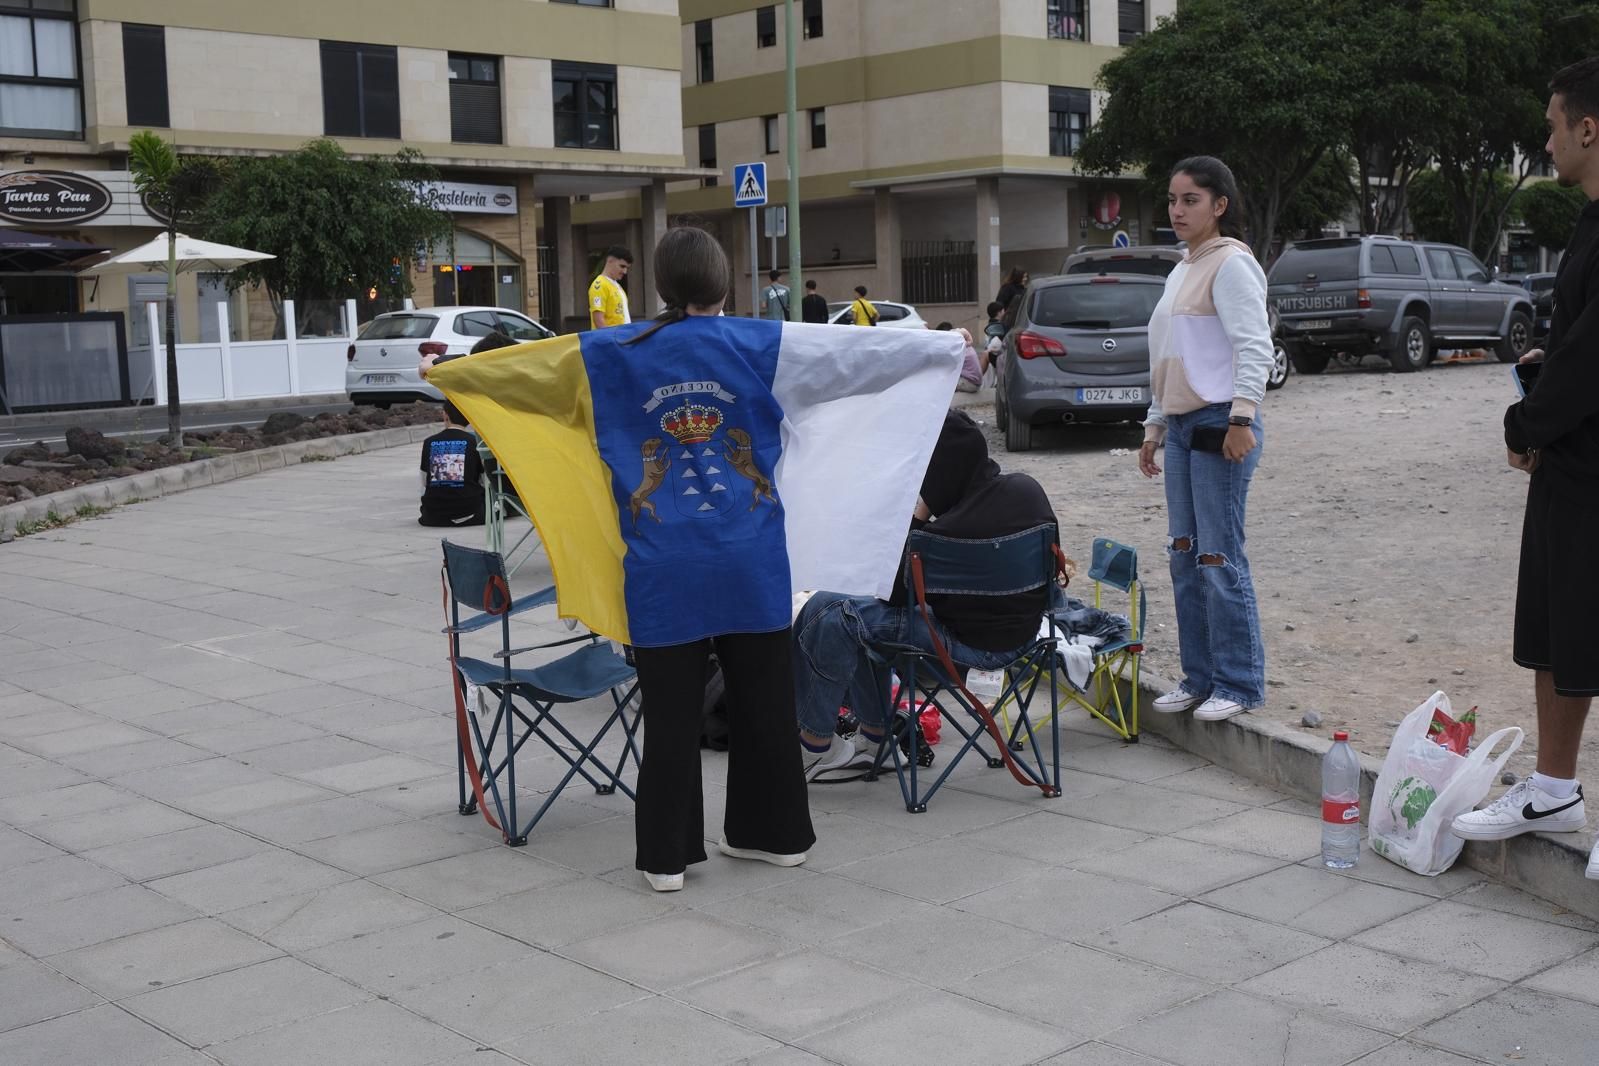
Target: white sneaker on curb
(664,882)
(1218,709)
(1176,701)
(841,751)
(760,856)
(1525,808)
(1593,863)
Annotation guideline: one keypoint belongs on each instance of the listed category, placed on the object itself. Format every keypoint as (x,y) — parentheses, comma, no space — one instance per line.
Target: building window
(585,105)
(144,73)
(708,151)
(769,132)
(766,27)
(704,54)
(1130,20)
(813,19)
(1068,119)
(1068,19)
(360,90)
(41,94)
(818,127)
(475,99)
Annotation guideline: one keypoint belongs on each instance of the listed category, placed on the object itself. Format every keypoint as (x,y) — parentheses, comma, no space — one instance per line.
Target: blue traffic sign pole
(749,190)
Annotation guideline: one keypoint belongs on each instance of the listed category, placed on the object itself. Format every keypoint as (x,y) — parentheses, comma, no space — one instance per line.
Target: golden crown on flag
(692,423)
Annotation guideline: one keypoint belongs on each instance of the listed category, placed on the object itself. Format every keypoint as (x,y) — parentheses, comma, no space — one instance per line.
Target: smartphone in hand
(1525,375)
(1208,439)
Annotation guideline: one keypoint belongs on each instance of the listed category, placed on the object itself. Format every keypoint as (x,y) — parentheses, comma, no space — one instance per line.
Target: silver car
(1079,352)
(383,360)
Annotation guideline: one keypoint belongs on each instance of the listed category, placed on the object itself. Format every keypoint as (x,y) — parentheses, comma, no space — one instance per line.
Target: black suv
(1404,300)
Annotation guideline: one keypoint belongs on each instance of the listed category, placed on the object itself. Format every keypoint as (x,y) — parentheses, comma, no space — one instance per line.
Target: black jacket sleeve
(1567,392)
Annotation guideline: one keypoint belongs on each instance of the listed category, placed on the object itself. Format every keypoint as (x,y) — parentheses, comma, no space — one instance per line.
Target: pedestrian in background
(607,298)
(1553,435)
(1210,353)
(774,298)
(1010,294)
(814,307)
(972,364)
(861,309)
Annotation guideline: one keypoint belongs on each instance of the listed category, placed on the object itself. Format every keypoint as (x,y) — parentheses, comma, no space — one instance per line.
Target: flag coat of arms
(685,485)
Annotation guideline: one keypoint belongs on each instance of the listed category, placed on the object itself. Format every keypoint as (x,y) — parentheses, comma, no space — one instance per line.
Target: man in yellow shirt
(607,298)
(862,309)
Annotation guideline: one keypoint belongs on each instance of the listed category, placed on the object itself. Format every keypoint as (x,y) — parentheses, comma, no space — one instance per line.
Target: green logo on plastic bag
(1410,801)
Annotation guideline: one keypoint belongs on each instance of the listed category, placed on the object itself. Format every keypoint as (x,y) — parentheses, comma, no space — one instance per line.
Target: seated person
(452,475)
(972,365)
(964,496)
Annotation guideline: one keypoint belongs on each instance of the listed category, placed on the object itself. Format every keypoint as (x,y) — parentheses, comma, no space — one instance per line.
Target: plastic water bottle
(1340,805)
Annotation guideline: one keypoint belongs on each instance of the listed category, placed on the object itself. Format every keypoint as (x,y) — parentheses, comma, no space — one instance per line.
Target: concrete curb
(1549,865)
(97,417)
(216,471)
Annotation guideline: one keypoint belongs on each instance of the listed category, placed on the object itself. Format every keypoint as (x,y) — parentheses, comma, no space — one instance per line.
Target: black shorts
(1557,590)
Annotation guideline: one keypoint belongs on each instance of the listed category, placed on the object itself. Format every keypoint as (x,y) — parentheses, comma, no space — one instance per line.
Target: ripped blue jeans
(1218,622)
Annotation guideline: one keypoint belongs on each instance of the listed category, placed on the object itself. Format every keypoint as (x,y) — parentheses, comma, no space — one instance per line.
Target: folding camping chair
(1115,565)
(937,566)
(500,502)
(487,758)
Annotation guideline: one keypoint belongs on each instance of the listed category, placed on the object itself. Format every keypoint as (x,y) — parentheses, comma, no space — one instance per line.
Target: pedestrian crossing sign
(749,185)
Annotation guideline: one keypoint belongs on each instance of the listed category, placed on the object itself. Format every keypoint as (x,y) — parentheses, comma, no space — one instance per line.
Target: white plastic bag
(1423,786)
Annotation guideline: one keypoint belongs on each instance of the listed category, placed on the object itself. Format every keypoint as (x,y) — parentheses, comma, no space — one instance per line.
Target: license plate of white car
(1124,394)
(1316,323)
(382,379)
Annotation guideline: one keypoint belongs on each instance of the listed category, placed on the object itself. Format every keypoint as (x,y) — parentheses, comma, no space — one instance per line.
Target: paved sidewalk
(228,834)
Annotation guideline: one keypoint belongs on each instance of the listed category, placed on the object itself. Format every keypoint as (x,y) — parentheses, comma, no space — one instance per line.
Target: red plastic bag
(1446,732)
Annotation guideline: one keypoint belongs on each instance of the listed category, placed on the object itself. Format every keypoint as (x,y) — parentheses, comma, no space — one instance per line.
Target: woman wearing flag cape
(685,477)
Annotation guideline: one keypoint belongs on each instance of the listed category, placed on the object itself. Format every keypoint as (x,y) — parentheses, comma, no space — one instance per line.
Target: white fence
(242,370)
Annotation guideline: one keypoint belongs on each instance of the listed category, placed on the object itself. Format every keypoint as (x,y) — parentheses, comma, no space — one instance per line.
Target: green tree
(1550,211)
(177,187)
(1254,82)
(339,227)
(1434,204)
(1326,196)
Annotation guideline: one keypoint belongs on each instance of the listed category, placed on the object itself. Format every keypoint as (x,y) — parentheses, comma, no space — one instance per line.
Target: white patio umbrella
(151,257)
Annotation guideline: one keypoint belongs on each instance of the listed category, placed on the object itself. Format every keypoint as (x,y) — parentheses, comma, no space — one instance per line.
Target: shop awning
(27,252)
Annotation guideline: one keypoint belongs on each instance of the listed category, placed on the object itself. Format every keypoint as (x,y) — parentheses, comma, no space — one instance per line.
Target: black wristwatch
(1241,420)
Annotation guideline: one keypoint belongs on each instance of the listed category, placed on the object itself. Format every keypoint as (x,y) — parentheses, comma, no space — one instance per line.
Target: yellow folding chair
(1114,565)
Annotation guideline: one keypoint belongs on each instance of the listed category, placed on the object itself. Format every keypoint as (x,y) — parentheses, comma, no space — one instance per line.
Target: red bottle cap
(1340,735)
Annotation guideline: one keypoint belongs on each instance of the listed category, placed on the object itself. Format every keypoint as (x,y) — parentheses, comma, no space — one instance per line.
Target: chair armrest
(510,652)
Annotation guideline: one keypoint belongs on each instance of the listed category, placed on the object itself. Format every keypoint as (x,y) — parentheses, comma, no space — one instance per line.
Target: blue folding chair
(1115,565)
(477,580)
(1003,566)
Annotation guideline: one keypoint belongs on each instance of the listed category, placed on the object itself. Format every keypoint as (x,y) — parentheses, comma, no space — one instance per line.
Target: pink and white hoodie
(1209,340)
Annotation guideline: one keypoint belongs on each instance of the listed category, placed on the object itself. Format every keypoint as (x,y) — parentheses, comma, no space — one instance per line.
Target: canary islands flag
(685,484)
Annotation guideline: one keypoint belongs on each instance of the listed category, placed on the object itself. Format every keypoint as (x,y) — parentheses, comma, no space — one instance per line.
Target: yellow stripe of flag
(532,406)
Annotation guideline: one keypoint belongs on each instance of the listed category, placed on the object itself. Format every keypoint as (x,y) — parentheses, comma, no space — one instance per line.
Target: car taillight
(349,354)
(1034,345)
(1363,299)
(1105,279)
(428,348)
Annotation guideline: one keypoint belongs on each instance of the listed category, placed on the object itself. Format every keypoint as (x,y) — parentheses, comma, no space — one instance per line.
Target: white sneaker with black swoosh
(1525,808)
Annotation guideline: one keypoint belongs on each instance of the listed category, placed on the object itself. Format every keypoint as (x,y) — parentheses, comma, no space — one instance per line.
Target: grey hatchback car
(1079,352)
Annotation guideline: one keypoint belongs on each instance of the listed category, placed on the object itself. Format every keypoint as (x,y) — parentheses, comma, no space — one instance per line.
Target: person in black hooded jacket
(964,496)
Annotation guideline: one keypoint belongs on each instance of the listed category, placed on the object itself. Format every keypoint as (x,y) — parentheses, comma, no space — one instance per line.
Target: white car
(383,360)
(894,315)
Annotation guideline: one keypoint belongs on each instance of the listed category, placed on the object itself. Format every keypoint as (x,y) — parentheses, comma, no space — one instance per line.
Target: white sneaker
(1176,701)
(1218,709)
(841,751)
(1593,863)
(664,882)
(1525,808)
(760,856)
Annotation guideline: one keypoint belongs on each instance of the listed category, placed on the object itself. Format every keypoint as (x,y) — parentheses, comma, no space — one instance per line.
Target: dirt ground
(1384,526)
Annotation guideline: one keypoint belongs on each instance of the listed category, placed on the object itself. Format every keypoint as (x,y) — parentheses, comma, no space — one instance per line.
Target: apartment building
(525,106)
(937,143)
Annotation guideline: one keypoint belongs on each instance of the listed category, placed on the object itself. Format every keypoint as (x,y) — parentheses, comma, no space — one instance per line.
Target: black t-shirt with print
(454,474)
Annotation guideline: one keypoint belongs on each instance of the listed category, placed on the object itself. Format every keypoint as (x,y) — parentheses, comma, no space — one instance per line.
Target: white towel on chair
(1076,655)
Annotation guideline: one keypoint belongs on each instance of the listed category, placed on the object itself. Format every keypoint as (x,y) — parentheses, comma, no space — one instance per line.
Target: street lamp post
(796,281)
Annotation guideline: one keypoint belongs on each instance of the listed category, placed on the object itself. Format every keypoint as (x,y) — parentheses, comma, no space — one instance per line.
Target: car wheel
(1414,349)
(1018,434)
(1279,367)
(1309,362)
(1517,339)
